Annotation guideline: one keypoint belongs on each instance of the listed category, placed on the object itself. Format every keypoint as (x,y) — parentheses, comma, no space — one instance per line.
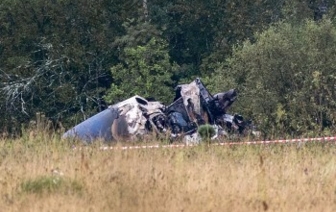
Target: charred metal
(137,117)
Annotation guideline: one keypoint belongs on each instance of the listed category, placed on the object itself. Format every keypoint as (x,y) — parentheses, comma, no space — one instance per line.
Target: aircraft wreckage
(192,108)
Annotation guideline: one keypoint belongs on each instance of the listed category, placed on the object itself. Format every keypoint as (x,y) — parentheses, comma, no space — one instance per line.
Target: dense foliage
(69,59)
(286,78)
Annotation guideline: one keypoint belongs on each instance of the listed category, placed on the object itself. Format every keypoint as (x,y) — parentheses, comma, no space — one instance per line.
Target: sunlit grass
(44,173)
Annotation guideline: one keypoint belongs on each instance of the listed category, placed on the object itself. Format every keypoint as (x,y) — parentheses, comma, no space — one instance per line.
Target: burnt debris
(192,107)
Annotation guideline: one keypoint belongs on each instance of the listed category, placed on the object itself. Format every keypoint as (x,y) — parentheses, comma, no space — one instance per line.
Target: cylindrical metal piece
(96,127)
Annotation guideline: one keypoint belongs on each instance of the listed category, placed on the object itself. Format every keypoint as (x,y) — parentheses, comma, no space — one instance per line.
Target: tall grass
(44,173)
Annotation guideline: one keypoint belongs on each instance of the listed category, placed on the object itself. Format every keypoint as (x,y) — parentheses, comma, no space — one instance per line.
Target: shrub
(206,131)
(286,78)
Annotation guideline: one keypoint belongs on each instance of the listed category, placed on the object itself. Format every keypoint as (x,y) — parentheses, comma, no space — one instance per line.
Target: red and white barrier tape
(320,139)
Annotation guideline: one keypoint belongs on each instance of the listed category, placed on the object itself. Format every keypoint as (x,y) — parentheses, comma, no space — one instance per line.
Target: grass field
(45,174)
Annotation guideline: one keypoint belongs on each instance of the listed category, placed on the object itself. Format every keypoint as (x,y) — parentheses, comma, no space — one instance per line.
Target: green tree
(201,33)
(55,57)
(145,70)
(286,78)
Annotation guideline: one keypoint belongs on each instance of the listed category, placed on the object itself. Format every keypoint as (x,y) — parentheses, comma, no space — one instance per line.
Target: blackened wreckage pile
(192,108)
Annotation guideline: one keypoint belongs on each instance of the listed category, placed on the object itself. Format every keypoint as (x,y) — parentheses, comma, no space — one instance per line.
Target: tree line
(71,59)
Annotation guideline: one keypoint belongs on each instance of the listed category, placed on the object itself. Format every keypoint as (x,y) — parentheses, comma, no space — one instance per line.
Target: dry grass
(203,178)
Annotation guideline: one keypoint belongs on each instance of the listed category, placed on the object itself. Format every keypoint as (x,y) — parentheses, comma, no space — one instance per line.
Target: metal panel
(96,127)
